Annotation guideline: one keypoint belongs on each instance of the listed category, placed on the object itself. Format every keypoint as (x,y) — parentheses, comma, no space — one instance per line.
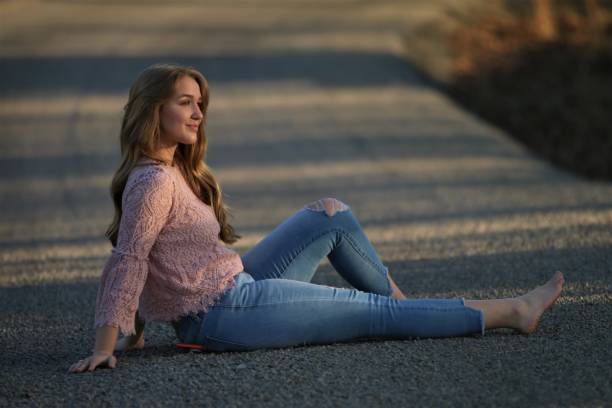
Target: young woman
(169,262)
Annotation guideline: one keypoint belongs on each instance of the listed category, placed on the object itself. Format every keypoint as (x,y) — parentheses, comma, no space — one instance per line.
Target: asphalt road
(308,100)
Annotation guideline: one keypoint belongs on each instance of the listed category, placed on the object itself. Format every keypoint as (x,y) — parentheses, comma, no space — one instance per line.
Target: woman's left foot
(397,293)
(127,343)
(533,304)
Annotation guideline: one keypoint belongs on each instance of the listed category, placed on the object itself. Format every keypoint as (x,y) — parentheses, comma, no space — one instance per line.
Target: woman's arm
(106,337)
(147,200)
(146,203)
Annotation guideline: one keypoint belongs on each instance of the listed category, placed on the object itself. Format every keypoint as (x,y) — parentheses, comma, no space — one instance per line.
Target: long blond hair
(140,136)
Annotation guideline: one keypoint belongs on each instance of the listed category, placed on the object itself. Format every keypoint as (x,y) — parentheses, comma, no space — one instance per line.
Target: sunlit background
(433,119)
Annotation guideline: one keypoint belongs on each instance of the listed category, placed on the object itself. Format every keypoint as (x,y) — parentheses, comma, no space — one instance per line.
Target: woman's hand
(97,359)
(106,337)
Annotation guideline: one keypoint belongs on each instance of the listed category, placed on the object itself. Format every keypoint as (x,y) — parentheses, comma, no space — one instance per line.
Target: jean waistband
(188,326)
(239,279)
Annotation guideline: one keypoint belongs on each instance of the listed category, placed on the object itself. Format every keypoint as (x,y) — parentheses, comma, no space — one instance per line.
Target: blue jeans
(274,304)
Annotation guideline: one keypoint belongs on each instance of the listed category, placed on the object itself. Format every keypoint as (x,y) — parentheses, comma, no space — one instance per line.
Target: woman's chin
(189,141)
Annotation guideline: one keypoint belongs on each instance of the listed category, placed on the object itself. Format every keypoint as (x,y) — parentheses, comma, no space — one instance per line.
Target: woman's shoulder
(151,174)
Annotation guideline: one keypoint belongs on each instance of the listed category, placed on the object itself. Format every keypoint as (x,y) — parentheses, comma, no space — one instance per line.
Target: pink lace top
(169,260)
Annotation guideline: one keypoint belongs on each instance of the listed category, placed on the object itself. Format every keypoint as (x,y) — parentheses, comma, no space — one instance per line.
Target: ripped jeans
(273,303)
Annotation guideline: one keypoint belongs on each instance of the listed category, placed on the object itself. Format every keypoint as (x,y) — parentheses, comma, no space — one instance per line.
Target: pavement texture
(308,99)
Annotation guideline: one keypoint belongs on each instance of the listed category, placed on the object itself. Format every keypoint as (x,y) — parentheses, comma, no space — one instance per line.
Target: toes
(558,278)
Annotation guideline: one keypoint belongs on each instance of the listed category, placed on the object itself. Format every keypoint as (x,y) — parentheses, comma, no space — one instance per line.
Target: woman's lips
(193,127)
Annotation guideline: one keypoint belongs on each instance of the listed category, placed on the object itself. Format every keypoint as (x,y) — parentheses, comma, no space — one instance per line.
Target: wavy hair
(140,136)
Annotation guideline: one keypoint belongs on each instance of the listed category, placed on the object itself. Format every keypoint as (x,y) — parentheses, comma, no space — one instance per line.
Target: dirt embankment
(549,87)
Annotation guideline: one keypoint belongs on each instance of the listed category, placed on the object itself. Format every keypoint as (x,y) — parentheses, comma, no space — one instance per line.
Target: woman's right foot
(532,305)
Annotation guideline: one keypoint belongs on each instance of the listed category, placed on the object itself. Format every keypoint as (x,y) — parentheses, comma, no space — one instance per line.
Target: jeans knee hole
(329,205)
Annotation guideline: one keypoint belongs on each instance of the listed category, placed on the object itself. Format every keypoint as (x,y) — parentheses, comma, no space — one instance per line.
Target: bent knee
(330,205)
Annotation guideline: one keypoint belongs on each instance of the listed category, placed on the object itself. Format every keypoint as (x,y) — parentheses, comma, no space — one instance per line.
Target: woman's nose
(197,113)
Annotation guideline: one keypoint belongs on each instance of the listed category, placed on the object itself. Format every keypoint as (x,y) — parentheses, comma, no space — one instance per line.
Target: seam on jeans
(278,303)
(353,243)
(445,309)
(217,339)
(363,255)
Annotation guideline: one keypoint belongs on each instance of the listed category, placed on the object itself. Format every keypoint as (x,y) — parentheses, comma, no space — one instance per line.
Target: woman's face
(181,116)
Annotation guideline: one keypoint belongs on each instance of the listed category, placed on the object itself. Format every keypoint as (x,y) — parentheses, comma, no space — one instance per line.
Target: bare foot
(129,343)
(533,304)
(397,293)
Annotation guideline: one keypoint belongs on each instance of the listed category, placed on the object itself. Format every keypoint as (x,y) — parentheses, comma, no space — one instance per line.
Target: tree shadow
(56,75)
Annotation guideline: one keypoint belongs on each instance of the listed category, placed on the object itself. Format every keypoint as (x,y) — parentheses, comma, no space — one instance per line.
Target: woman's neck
(166,154)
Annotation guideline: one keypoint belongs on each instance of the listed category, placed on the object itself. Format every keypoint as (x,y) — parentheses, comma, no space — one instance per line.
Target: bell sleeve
(146,204)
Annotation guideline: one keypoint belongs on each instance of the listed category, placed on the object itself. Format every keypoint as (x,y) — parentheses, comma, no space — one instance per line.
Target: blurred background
(542,71)
(436,120)
(539,69)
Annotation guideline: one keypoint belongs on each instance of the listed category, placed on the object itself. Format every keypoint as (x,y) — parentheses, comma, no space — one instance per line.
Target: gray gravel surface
(308,99)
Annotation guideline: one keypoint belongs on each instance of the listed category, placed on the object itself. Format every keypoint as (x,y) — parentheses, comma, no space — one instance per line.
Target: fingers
(91,363)
(102,360)
(79,366)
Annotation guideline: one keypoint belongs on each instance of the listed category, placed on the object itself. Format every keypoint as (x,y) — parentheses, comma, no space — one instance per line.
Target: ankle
(517,313)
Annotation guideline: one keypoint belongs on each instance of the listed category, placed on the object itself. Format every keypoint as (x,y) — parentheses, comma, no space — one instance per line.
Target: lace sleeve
(146,204)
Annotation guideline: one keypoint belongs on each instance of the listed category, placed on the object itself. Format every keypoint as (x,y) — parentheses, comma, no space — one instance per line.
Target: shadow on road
(50,75)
